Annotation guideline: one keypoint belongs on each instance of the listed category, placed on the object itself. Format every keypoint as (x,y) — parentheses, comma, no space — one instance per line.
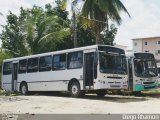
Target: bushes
(8,93)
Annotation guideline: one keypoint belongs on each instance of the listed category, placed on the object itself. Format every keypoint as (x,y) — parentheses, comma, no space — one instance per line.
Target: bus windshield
(145,68)
(112,63)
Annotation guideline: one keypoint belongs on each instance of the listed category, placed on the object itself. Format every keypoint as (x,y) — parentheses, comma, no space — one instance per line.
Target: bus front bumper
(140,87)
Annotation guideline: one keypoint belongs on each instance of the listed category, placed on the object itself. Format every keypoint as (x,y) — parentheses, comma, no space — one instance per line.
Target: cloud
(144,21)
(40,3)
(13,6)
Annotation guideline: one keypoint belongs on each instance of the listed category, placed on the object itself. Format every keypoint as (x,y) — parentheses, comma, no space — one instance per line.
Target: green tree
(41,29)
(34,31)
(12,36)
(96,13)
(107,36)
(85,36)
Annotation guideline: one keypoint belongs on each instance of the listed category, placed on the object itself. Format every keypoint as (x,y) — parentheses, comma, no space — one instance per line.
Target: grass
(153,91)
(8,93)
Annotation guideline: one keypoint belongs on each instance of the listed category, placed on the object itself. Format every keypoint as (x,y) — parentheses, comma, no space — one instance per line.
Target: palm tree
(95,14)
(42,30)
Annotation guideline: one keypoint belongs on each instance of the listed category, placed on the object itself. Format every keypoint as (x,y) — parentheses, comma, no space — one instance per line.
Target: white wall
(138,46)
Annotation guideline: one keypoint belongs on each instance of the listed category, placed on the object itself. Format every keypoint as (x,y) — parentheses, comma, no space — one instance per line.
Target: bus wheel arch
(24,88)
(75,89)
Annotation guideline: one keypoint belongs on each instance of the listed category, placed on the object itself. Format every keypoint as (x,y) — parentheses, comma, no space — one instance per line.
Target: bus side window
(59,62)
(22,66)
(32,65)
(75,60)
(45,63)
(7,68)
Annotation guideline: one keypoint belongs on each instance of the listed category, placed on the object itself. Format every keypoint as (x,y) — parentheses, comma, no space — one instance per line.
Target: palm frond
(58,35)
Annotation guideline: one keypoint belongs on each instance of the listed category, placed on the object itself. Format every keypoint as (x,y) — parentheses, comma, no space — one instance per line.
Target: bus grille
(148,82)
(115,86)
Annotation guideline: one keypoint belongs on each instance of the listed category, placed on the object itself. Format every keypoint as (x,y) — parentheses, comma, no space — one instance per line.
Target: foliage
(85,36)
(108,36)
(88,36)
(12,36)
(35,31)
(95,14)
(43,29)
(8,93)
(39,30)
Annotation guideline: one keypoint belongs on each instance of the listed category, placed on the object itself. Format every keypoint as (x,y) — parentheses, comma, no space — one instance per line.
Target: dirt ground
(90,104)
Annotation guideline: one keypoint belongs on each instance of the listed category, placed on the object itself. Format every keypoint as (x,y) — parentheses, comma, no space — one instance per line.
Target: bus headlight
(125,82)
(139,82)
(142,80)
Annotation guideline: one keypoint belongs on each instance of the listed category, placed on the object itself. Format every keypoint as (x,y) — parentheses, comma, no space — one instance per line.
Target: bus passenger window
(32,65)
(45,63)
(59,62)
(7,68)
(75,60)
(22,66)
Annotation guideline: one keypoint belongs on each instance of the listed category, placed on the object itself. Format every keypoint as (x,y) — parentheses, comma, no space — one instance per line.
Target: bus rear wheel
(75,90)
(24,89)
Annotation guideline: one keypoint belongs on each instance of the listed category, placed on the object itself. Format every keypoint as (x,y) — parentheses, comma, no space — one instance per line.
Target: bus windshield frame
(145,65)
(112,60)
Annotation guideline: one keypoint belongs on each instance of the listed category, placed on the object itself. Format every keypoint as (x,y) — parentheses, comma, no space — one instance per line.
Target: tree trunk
(107,24)
(97,38)
(74,27)
(75,30)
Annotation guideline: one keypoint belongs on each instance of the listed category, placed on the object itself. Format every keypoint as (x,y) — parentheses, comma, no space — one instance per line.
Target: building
(121,46)
(150,44)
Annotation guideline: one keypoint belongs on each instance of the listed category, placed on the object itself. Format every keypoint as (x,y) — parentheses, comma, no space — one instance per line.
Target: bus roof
(131,54)
(56,52)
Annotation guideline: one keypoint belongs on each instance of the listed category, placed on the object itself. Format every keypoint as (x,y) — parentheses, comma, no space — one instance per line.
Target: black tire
(75,90)
(101,93)
(137,93)
(24,89)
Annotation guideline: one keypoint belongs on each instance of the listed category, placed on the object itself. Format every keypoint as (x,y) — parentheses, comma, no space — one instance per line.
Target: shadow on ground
(111,98)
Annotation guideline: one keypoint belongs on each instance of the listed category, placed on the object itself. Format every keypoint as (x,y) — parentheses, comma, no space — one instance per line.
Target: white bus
(158,68)
(93,68)
(142,71)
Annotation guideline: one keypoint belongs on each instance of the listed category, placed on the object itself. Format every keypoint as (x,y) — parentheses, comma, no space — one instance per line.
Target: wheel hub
(24,89)
(74,89)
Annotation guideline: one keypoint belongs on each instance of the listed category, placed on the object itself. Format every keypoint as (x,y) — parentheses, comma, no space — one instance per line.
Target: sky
(144,21)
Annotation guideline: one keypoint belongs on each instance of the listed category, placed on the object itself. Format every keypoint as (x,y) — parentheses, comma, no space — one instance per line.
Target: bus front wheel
(75,90)
(24,88)
(101,93)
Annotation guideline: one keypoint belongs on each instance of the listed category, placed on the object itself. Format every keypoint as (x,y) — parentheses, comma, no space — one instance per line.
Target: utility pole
(74,23)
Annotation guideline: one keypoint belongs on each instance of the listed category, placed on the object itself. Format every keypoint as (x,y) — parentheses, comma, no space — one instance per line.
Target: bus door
(130,71)
(14,76)
(90,71)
